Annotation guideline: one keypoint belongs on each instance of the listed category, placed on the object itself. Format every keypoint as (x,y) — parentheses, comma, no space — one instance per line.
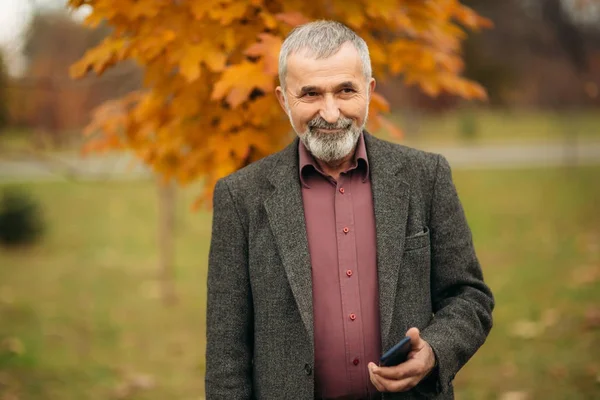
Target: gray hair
(322,39)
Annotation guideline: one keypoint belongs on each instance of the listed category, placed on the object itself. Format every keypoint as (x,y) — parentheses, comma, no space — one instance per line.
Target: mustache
(320,123)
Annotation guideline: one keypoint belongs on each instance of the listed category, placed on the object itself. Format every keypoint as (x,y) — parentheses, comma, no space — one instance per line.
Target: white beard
(330,147)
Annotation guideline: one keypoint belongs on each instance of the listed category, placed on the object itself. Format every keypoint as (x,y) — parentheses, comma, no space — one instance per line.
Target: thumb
(415,338)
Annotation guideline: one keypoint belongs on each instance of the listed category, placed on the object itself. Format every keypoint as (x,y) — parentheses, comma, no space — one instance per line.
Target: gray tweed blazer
(259,310)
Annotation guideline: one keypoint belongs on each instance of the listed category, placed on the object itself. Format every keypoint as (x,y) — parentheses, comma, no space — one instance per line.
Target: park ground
(81,315)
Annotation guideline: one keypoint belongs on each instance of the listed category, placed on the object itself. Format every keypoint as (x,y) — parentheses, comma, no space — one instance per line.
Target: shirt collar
(307,162)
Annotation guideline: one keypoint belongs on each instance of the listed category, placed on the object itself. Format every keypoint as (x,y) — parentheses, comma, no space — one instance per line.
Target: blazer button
(307,369)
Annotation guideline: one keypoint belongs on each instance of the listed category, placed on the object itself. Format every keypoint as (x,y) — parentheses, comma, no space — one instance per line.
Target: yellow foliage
(211,66)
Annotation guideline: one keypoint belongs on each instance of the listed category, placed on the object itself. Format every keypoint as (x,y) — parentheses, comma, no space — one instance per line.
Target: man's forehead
(305,57)
(305,69)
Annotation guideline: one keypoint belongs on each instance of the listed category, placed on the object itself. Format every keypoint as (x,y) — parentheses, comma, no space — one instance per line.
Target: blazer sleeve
(229,335)
(462,302)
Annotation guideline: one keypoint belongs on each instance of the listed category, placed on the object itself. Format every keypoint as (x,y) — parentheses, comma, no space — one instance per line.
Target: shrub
(21,219)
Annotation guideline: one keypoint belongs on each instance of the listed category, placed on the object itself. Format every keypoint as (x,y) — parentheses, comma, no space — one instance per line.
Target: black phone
(397,354)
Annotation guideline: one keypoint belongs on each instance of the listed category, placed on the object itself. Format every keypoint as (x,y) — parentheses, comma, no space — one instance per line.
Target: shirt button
(342,190)
(355,361)
(349,273)
(352,317)
(346,230)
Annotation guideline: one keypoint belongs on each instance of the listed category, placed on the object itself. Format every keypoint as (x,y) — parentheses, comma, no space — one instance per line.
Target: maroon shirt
(340,225)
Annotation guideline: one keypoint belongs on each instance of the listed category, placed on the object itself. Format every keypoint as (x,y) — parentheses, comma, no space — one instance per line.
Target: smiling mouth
(330,130)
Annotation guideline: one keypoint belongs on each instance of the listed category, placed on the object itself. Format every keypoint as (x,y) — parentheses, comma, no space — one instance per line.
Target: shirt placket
(349,288)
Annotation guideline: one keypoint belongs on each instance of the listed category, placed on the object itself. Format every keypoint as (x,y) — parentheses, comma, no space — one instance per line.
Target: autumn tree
(3,93)
(211,66)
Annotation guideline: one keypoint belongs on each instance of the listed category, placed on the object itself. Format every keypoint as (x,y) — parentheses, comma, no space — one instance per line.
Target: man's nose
(330,111)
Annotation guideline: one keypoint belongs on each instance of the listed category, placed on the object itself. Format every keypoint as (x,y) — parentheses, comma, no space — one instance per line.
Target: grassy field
(497,127)
(81,316)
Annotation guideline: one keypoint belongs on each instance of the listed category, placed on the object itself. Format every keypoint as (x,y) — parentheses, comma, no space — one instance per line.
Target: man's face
(327,101)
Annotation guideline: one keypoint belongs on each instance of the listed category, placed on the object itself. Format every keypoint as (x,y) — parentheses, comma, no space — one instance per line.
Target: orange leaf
(107,53)
(194,55)
(293,18)
(215,60)
(269,20)
(379,103)
(239,80)
(470,19)
(201,8)
(190,63)
(267,48)
(228,13)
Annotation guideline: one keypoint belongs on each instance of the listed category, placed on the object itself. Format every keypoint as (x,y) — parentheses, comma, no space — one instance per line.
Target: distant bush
(21,219)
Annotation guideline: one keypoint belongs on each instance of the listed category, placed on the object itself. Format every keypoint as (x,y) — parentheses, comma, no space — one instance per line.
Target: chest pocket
(418,241)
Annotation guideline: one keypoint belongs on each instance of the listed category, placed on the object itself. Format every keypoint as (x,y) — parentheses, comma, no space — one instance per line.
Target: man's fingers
(401,385)
(406,369)
(375,381)
(391,385)
(375,378)
(415,338)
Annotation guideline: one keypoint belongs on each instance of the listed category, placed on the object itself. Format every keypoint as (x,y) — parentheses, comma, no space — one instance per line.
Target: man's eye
(348,90)
(311,94)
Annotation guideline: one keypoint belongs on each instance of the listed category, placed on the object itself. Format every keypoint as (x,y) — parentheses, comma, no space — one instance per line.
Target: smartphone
(397,354)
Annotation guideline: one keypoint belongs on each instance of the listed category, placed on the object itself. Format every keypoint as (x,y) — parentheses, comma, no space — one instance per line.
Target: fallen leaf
(133,383)
(508,370)
(549,318)
(558,371)
(13,345)
(585,276)
(592,318)
(122,391)
(520,395)
(527,329)
(592,369)
(142,381)
(150,289)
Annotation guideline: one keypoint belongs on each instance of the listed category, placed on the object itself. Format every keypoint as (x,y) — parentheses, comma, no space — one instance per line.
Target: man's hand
(408,374)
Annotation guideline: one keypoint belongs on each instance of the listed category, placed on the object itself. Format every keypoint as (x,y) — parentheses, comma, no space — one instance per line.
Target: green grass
(81,312)
(538,237)
(86,305)
(497,126)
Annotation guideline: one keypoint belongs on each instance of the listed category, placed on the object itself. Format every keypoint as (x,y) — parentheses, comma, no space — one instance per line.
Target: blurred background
(102,270)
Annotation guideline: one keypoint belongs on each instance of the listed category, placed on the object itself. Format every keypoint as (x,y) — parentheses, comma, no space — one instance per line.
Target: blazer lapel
(391,199)
(285,212)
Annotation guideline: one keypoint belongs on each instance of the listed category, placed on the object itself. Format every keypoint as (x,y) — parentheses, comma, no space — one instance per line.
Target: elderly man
(328,253)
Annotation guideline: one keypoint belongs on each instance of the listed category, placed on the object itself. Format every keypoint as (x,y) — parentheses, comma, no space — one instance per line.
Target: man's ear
(281,97)
(372,85)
